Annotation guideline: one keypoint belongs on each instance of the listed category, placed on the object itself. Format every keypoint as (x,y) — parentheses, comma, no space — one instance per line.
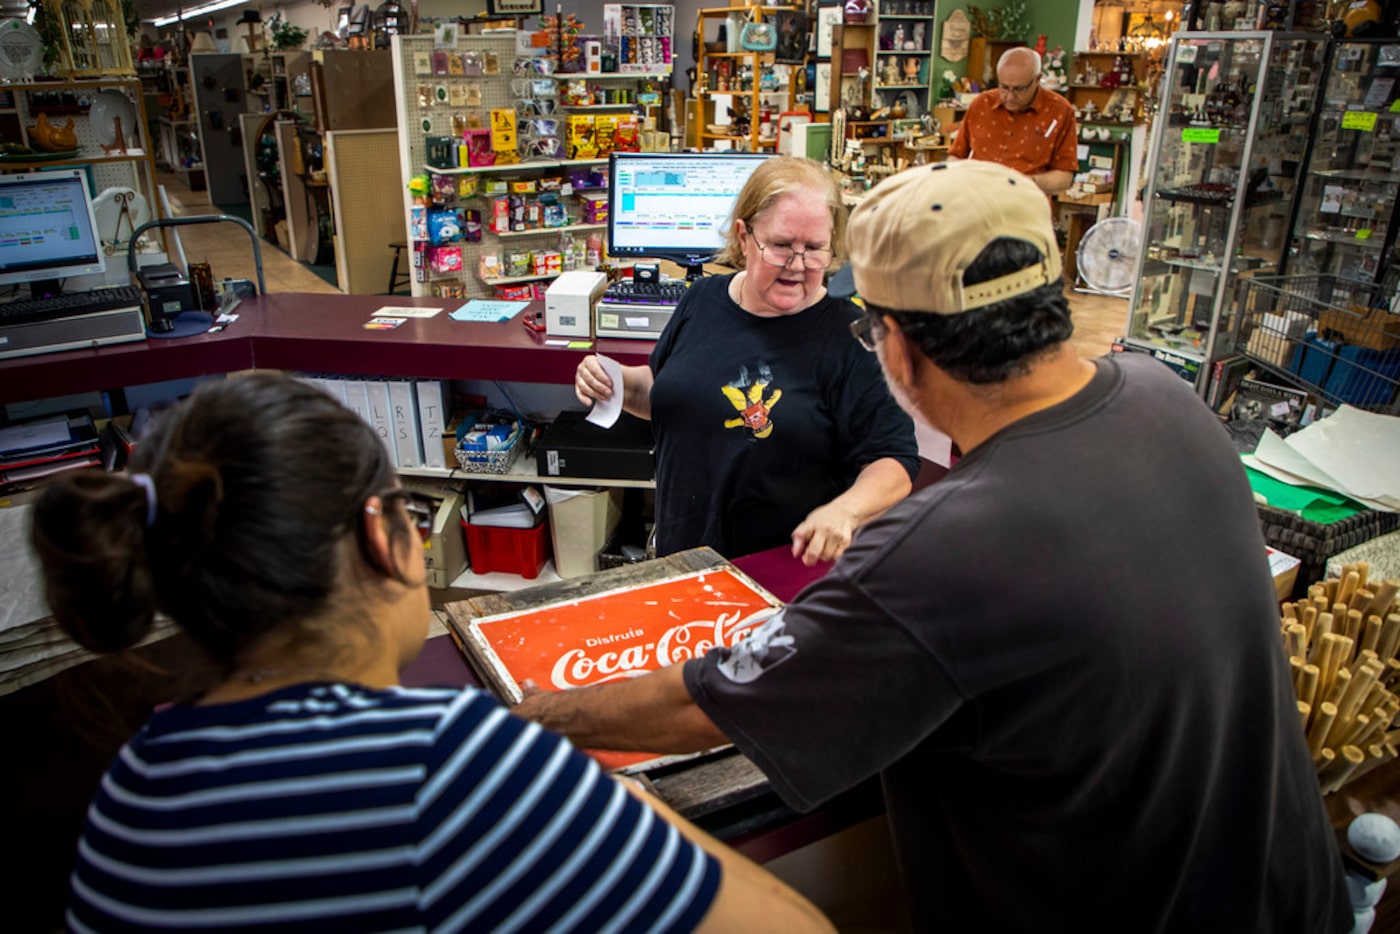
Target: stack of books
(30,450)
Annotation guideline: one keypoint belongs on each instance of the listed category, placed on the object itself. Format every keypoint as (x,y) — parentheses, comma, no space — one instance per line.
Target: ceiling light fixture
(194,12)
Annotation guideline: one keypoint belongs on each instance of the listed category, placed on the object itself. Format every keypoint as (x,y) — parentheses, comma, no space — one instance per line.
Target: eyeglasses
(864,330)
(782,256)
(1019,89)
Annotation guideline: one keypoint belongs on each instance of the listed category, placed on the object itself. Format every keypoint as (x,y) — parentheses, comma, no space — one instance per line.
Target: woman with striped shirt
(307,789)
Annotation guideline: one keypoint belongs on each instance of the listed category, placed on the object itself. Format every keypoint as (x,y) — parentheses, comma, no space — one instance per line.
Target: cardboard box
(580,523)
(1369,328)
(573,447)
(444,548)
(1285,570)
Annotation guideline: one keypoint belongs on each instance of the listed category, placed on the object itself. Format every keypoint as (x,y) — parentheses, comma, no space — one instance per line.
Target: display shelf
(1344,223)
(513,166)
(723,73)
(1224,166)
(135,168)
(524,470)
(536,231)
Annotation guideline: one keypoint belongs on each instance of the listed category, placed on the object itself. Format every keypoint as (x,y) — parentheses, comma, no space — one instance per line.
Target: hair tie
(144,481)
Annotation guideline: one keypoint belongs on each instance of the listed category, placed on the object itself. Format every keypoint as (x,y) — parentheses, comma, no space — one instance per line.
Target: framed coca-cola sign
(625,628)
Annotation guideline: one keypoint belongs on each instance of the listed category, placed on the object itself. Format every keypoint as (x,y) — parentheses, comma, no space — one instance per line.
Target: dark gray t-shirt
(1065,659)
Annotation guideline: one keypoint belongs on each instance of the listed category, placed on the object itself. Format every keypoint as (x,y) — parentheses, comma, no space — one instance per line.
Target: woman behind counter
(307,790)
(772,425)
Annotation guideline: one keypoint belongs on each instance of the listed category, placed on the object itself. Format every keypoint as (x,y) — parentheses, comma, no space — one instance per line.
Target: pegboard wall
(433,103)
(368,213)
(133,170)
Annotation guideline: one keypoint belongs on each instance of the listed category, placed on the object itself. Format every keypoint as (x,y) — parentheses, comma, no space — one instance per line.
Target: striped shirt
(339,808)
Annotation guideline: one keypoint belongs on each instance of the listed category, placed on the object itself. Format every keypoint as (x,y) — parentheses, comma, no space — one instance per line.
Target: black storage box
(1312,543)
(572,447)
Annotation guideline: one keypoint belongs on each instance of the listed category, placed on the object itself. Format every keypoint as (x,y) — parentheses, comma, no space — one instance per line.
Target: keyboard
(70,304)
(627,292)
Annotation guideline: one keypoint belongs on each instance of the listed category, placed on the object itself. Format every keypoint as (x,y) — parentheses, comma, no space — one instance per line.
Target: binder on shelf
(403,402)
(381,417)
(357,399)
(433,409)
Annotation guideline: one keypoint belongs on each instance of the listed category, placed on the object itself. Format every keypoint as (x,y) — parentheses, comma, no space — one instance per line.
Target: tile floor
(228,251)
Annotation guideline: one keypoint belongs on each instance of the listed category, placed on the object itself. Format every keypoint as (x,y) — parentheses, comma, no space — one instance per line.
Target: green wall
(1056,18)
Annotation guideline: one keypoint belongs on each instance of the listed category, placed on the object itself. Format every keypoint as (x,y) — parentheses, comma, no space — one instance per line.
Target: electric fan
(1107,256)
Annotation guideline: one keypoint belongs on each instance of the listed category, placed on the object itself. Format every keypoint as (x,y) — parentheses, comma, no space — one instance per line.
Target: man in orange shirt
(1022,125)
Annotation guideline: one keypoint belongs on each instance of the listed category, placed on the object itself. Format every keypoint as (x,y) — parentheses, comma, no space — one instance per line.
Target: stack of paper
(37,449)
(1352,451)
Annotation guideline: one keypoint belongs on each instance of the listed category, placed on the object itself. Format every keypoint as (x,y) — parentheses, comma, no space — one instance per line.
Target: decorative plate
(108,107)
(21,50)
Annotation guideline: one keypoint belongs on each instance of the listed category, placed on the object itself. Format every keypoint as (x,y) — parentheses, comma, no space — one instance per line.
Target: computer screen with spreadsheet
(673,205)
(47,228)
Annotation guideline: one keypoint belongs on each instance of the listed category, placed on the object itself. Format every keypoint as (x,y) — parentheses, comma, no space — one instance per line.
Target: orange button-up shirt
(1041,138)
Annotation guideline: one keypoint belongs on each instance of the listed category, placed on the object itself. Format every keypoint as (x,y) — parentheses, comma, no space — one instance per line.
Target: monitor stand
(694,271)
(44,288)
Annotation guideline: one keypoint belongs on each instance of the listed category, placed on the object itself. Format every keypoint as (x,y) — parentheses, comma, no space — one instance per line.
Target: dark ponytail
(89,534)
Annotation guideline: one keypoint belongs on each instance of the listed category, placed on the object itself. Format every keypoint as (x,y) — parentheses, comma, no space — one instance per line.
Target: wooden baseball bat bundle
(1342,641)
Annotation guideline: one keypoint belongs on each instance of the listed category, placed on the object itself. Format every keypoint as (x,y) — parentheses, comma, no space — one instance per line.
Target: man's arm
(1053,181)
(653,713)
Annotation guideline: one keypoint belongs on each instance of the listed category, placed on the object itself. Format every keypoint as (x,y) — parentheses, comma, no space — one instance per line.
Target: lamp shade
(250,16)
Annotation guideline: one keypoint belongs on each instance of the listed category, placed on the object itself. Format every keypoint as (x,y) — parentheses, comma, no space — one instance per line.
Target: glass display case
(1227,152)
(1344,222)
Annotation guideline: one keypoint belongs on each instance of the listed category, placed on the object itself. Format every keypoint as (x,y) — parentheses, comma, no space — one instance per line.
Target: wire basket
(1338,337)
(497,461)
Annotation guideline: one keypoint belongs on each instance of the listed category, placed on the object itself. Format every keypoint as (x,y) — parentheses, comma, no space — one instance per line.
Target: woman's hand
(825,533)
(591,382)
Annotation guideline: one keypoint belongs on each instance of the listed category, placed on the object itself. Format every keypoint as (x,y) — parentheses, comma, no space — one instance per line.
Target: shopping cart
(1337,337)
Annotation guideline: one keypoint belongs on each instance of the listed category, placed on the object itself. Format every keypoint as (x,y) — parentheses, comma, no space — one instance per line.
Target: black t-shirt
(1065,659)
(758,421)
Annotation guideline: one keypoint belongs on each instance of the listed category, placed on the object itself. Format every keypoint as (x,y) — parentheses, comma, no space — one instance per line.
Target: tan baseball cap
(915,234)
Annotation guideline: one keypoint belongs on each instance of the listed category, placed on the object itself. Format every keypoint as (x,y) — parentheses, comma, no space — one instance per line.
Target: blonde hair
(775,177)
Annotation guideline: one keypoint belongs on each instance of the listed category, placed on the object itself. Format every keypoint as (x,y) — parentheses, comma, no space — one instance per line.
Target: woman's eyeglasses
(782,256)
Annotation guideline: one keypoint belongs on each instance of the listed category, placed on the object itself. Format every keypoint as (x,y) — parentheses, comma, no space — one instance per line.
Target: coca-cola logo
(577,668)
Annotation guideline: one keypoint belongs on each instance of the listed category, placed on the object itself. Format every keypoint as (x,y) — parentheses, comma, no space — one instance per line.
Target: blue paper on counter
(485,309)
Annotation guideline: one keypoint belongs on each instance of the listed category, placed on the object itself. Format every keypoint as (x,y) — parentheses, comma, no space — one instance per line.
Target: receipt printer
(569,301)
(168,292)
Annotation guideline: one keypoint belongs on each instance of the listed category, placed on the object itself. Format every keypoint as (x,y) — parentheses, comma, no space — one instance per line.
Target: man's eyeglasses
(1019,88)
(864,330)
(782,256)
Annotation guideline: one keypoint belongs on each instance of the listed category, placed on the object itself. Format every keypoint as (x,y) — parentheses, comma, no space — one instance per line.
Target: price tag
(1197,134)
(1279,410)
(1364,233)
(1358,120)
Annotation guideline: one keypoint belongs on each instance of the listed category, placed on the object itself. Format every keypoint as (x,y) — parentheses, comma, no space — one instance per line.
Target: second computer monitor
(47,229)
(673,205)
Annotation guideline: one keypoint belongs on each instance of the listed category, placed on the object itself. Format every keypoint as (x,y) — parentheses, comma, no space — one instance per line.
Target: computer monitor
(674,206)
(47,230)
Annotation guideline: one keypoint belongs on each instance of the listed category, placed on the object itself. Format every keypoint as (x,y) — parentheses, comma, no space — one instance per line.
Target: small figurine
(899,37)
(919,32)
(911,70)
(890,74)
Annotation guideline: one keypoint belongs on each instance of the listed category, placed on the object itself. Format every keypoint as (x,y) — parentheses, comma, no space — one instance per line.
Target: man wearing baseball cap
(1064,657)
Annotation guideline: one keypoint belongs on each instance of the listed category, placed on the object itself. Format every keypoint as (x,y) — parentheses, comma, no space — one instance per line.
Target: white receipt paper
(605,411)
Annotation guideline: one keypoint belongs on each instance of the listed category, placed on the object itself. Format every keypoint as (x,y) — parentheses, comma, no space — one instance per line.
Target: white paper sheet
(1360,449)
(605,412)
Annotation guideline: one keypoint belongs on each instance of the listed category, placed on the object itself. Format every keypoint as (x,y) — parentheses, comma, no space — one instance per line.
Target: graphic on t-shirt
(747,396)
(766,648)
